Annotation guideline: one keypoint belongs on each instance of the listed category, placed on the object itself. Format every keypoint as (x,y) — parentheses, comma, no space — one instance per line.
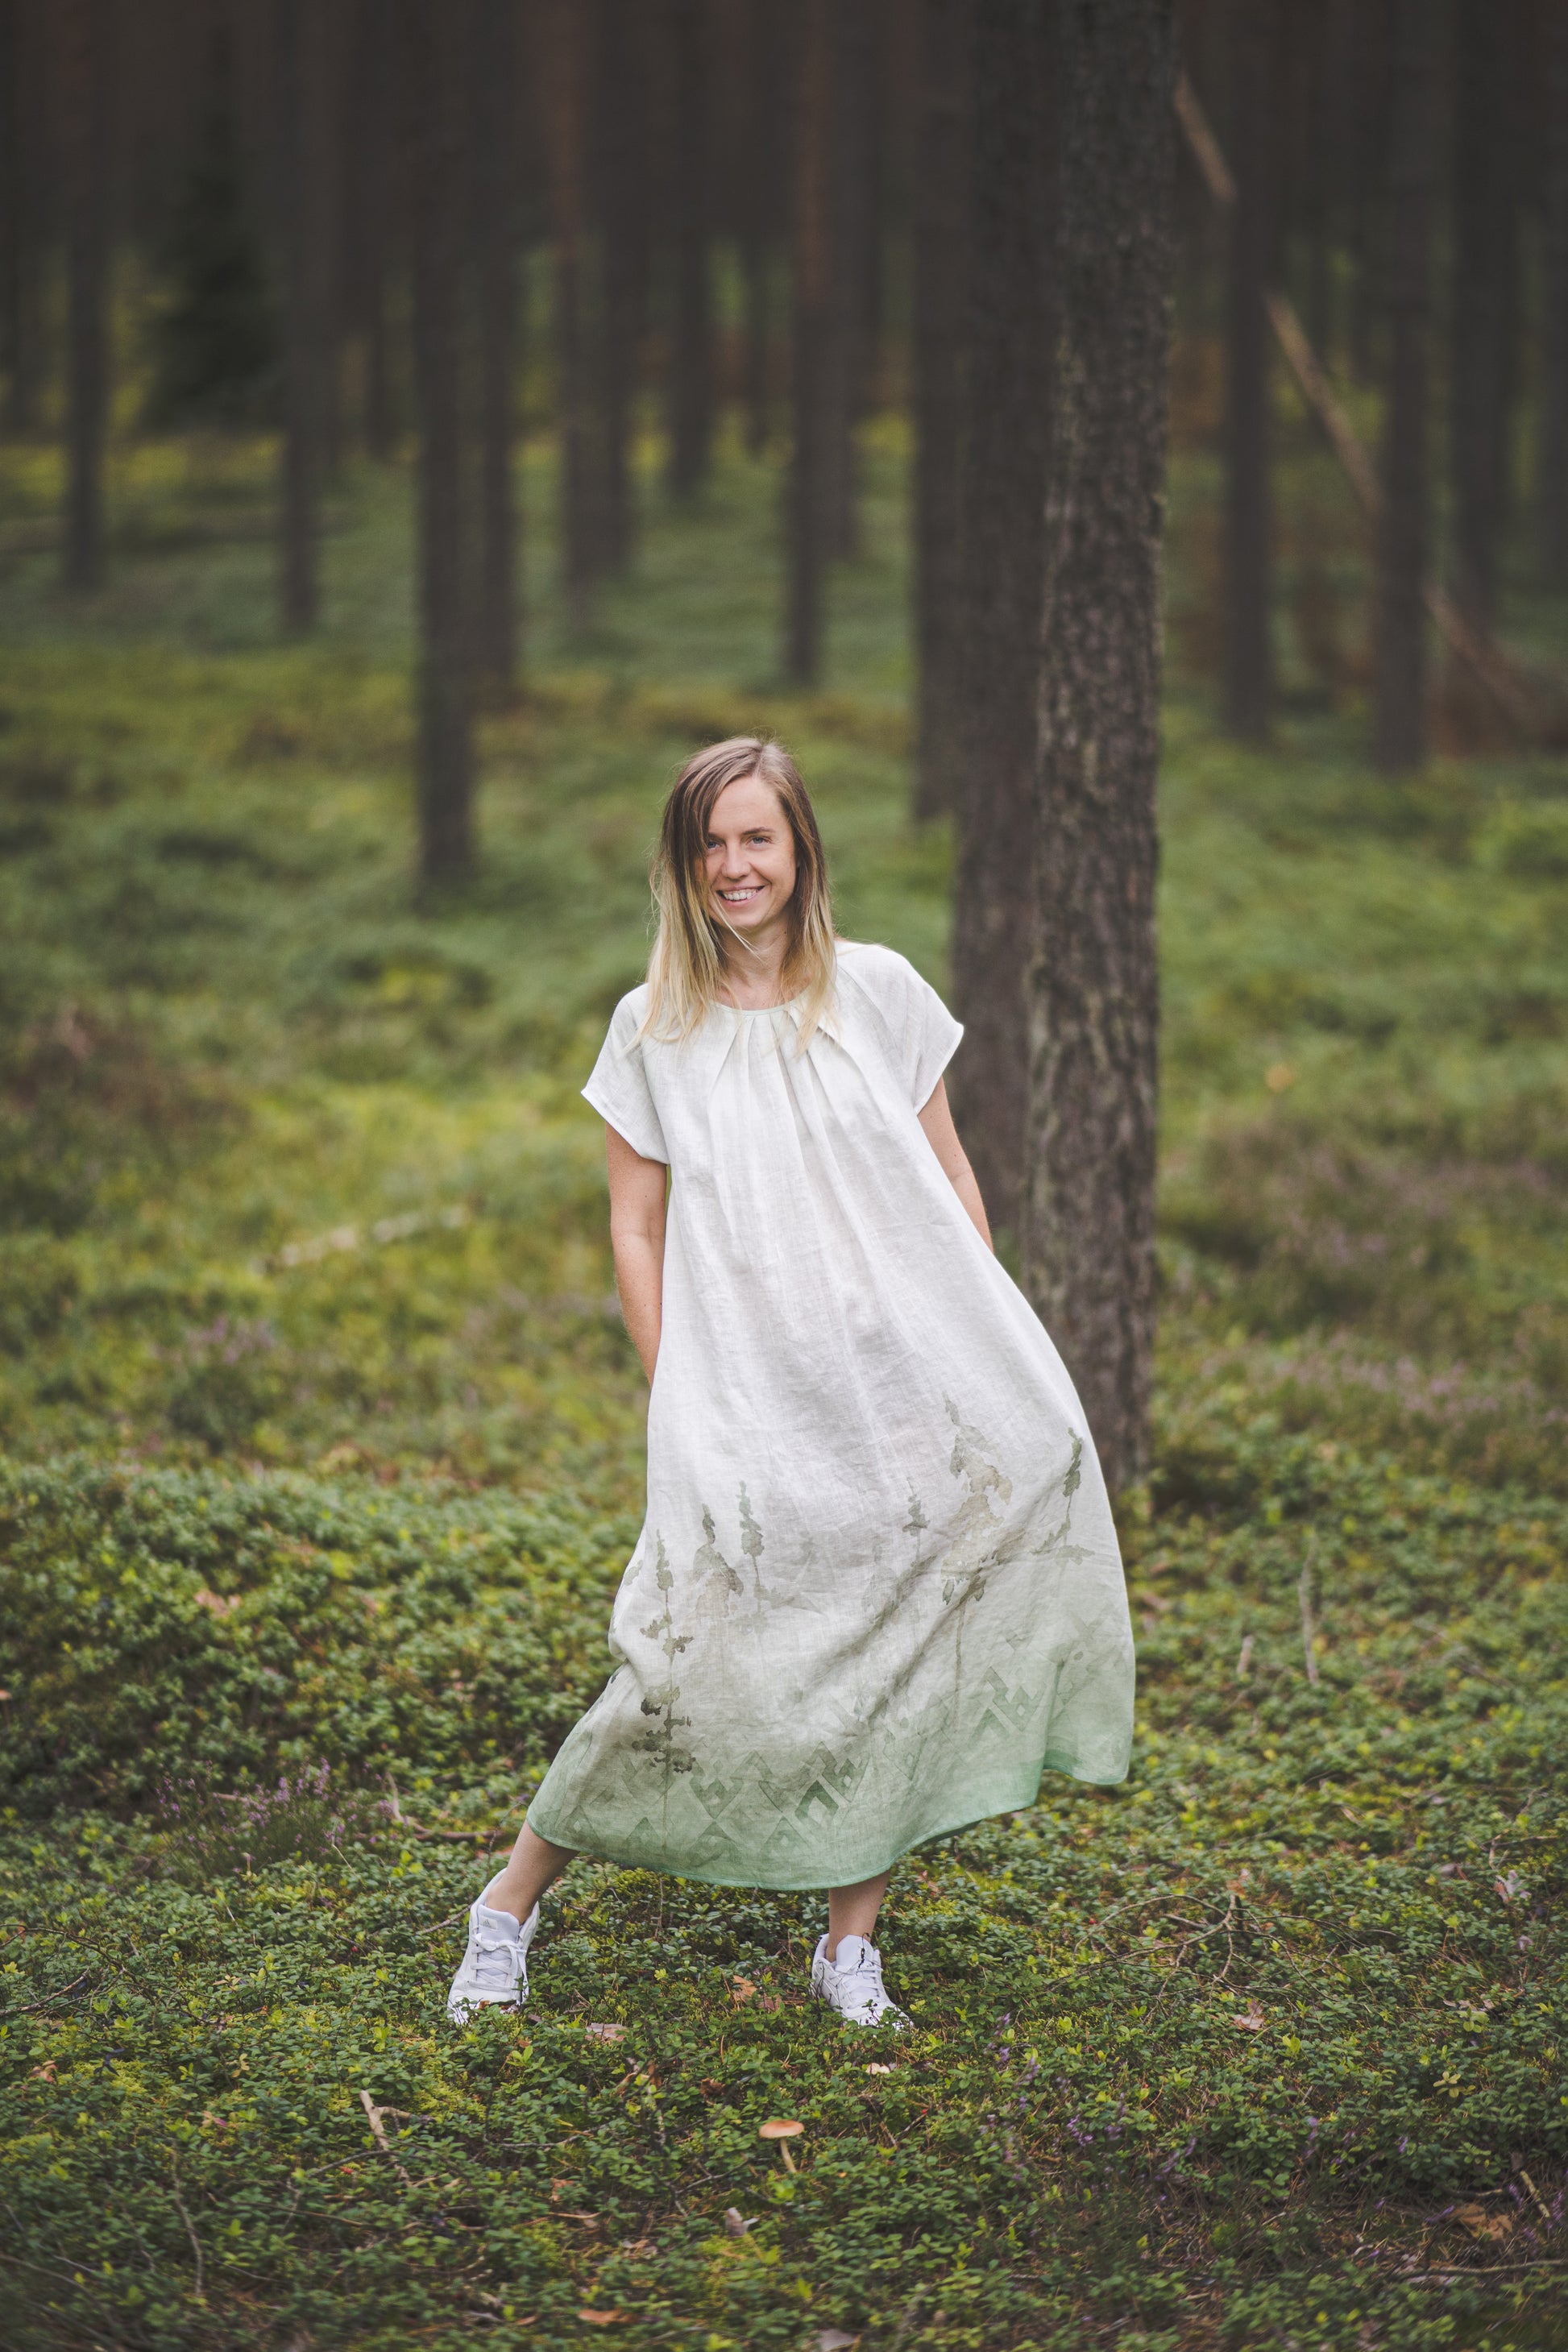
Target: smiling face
(748,863)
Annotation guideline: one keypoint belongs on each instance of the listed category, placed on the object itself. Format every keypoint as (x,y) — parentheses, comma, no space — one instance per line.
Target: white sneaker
(495,1965)
(852,1984)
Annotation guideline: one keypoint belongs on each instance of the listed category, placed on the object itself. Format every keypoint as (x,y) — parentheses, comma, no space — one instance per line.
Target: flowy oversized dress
(877,1589)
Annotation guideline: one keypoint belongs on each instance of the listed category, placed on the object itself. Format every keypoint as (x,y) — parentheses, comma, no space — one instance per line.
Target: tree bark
(1088,1244)
(764,171)
(1011,338)
(298,154)
(853,211)
(812,378)
(1476,308)
(691,372)
(938,229)
(1400,741)
(1553,468)
(564,24)
(372,80)
(1249,681)
(87,73)
(435,93)
(494,119)
(624,207)
(21,174)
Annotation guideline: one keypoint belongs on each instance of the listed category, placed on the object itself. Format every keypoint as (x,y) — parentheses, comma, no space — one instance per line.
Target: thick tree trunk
(1368,139)
(939,229)
(87,72)
(21,174)
(565,27)
(1401,713)
(298,153)
(1248,683)
(372,81)
(690,371)
(1089,1253)
(812,375)
(494,119)
(624,185)
(1551,493)
(435,90)
(1012,334)
(1476,308)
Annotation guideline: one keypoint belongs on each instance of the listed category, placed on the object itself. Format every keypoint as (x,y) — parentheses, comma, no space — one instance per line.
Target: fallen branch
(378,2129)
(27,2007)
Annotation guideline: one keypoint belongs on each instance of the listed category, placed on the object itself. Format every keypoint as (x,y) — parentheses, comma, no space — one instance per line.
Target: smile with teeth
(741,897)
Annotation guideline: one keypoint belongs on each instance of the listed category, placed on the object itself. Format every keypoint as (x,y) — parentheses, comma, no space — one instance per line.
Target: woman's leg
(534,1862)
(852,1910)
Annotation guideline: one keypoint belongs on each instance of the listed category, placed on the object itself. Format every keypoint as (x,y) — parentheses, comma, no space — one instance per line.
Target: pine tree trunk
(21,174)
(764,70)
(494,118)
(690,375)
(1368,143)
(1248,666)
(1012,329)
(623,181)
(852,215)
(1552,495)
(565,30)
(297,154)
(1089,1245)
(812,381)
(436,93)
(374,82)
(938,229)
(1401,713)
(86,71)
(1476,308)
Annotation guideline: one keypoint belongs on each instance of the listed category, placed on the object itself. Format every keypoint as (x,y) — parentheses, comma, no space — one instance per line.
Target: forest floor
(321,1457)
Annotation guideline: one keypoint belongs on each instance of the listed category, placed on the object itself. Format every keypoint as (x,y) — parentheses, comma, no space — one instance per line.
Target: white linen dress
(877,1589)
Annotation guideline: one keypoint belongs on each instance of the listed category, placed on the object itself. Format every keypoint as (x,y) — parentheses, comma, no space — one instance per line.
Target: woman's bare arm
(637,1236)
(943,1135)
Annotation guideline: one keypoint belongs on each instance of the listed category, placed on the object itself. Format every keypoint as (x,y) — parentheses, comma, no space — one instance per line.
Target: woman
(877,1589)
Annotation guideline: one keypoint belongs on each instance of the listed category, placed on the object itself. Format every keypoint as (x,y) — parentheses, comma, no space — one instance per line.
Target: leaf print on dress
(660,1701)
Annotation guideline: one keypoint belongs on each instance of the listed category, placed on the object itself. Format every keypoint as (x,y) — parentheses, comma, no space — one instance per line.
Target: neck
(753,966)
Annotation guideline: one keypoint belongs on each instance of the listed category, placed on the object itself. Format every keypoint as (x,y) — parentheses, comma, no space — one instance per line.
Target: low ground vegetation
(321,1459)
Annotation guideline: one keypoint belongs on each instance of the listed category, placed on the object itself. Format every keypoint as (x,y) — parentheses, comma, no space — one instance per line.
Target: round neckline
(759,1011)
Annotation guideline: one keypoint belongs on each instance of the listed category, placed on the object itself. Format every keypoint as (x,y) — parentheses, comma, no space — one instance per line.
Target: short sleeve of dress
(922,1033)
(618,1087)
(931,1040)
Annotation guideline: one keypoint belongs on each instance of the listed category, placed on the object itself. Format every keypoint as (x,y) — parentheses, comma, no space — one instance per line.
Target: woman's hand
(943,1135)
(637,1189)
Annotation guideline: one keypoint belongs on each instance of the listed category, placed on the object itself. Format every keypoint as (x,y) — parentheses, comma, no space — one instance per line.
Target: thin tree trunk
(495,108)
(1248,683)
(295,31)
(1011,330)
(939,205)
(21,313)
(812,379)
(765,69)
(853,216)
(690,371)
(565,27)
(86,71)
(435,75)
(1476,321)
(1369,110)
(624,182)
(1401,713)
(373,80)
(1089,1249)
(1552,471)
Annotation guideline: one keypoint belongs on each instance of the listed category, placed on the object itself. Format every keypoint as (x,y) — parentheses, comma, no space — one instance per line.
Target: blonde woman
(877,1589)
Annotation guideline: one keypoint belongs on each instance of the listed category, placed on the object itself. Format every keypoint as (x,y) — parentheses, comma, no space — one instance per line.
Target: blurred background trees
(599,244)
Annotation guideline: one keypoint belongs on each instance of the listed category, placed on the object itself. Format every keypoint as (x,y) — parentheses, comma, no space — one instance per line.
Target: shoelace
(494,1959)
(866,1978)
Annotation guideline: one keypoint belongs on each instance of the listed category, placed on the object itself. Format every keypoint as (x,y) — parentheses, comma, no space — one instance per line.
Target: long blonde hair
(686,968)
